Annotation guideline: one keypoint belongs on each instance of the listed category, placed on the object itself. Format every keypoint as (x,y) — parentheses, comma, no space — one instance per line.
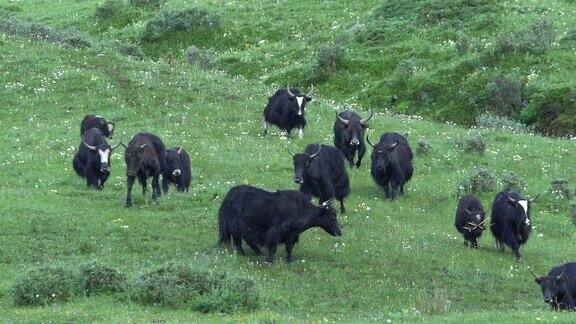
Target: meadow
(397,261)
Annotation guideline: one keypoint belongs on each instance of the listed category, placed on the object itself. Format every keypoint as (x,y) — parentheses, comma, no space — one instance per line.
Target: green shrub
(536,38)
(505,94)
(475,144)
(115,13)
(198,287)
(46,285)
(423,147)
(140,3)
(573,210)
(70,37)
(109,9)
(328,59)
(561,188)
(511,180)
(167,22)
(99,279)
(489,121)
(204,59)
(478,180)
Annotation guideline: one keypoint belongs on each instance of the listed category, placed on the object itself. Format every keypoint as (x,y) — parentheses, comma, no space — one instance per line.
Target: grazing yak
(177,170)
(391,163)
(321,172)
(470,218)
(145,157)
(263,218)
(349,131)
(95,121)
(285,109)
(510,223)
(559,286)
(92,161)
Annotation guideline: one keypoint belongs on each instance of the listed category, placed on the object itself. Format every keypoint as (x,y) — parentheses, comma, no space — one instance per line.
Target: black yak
(470,218)
(510,223)
(285,109)
(177,170)
(92,161)
(263,218)
(349,131)
(321,172)
(391,163)
(96,121)
(145,157)
(559,286)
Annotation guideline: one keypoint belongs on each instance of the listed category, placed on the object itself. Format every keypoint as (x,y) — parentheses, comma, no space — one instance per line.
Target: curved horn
(563,273)
(366,120)
(345,121)
(315,154)
(90,147)
(533,199)
(535,276)
(327,202)
(469,212)
(290,152)
(510,199)
(143,146)
(180,150)
(119,143)
(311,91)
(368,140)
(288,89)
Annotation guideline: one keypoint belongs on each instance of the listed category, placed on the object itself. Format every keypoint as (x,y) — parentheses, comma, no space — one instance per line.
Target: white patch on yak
(110,127)
(299,100)
(104,155)
(524,204)
(300,133)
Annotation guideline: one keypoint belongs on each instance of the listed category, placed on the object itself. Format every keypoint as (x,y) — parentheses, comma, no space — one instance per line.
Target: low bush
(536,38)
(198,287)
(204,59)
(475,144)
(561,188)
(99,279)
(46,285)
(423,147)
(140,3)
(505,94)
(70,37)
(168,22)
(489,121)
(511,180)
(478,180)
(328,59)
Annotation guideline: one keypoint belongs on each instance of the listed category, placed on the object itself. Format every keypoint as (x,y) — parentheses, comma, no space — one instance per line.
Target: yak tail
(78,165)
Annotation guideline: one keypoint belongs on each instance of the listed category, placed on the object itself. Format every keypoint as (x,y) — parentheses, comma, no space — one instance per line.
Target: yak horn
(90,147)
(315,154)
(510,199)
(345,121)
(311,91)
(533,199)
(180,150)
(290,152)
(119,143)
(368,140)
(366,120)
(327,203)
(288,89)
(469,212)
(535,276)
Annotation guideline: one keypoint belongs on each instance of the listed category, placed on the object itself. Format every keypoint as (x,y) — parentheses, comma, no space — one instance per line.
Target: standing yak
(145,157)
(470,218)
(92,161)
(321,172)
(510,223)
(349,131)
(96,121)
(285,109)
(263,218)
(391,163)
(177,170)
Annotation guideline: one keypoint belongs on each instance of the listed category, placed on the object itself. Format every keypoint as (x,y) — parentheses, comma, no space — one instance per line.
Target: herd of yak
(266,219)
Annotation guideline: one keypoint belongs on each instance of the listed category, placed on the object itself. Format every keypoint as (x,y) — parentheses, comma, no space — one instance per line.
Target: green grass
(401,260)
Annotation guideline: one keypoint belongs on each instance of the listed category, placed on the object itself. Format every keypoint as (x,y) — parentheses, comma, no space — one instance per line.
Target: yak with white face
(286,109)
(96,121)
(177,170)
(511,223)
(92,161)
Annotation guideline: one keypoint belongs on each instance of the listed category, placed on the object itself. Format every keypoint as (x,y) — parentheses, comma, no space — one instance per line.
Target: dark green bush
(423,147)
(479,179)
(328,59)
(109,9)
(573,210)
(511,180)
(46,285)
(561,188)
(139,3)
(198,287)
(204,59)
(99,279)
(505,94)
(70,37)
(475,144)
(167,22)
(536,38)
(490,121)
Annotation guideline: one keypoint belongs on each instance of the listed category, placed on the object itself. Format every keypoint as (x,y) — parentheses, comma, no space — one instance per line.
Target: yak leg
(350,155)
(165,184)
(130,184)
(254,247)
(265,129)
(342,208)
(238,244)
(516,249)
(155,187)
(473,243)
(361,152)
(271,252)
(103,179)
(91,178)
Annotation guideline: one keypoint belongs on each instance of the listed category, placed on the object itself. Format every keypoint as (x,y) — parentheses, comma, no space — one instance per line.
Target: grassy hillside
(398,261)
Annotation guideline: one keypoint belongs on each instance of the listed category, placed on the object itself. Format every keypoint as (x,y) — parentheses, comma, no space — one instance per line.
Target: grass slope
(399,260)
